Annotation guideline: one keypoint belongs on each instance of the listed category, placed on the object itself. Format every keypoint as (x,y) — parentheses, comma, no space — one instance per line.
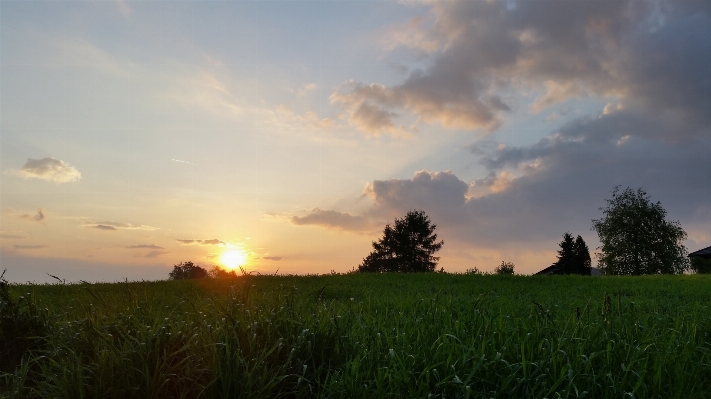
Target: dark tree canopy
(187,270)
(406,247)
(637,239)
(573,256)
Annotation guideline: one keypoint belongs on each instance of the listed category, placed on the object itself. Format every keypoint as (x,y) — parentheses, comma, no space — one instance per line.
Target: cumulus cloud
(332,220)
(481,51)
(442,191)
(213,241)
(50,169)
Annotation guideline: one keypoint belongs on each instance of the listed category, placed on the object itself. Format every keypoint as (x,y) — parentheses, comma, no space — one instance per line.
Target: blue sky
(138,134)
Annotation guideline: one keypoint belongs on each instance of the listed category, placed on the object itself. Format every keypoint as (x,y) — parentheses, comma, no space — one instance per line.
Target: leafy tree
(504,268)
(637,239)
(573,256)
(406,247)
(187,270)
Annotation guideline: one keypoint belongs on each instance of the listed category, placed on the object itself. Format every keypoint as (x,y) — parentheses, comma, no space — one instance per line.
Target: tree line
(636,238)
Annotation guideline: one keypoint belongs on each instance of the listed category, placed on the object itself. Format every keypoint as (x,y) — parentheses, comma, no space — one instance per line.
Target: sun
(233,258)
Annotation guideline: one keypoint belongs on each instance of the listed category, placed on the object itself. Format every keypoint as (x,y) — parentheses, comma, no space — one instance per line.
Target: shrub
(504,268)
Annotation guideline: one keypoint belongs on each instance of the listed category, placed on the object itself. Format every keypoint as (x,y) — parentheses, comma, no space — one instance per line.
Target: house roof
(702,252)
(549,270)
(552,269)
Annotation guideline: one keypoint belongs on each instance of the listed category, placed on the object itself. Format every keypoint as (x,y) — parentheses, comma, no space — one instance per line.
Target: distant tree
(218,272)
(637,239)
(406,247)
(504,268)
(573,256)
(187,270)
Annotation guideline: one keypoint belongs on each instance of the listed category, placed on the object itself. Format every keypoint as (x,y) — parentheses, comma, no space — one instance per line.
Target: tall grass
(370,336)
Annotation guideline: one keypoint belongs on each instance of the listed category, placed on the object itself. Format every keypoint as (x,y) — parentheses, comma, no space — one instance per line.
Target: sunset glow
(233,258)
(285,135)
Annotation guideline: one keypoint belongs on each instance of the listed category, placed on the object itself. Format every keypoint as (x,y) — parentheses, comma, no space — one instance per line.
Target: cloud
(50,169)
(274,258)
(37,217)
(426,190)
(213,241)
(411,34)
(102,227)
(12,234)
(105,225)
(29,246)
(480,52)
(145,246)
(154,254)
(332,220)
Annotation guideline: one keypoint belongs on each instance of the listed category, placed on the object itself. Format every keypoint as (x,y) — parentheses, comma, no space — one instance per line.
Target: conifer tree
(408,246)
(581,257)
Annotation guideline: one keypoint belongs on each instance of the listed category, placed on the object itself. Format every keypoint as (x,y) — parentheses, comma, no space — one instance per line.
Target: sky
(135,135)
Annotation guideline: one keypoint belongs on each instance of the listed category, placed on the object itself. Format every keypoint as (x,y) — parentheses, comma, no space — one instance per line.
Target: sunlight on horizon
(233,258)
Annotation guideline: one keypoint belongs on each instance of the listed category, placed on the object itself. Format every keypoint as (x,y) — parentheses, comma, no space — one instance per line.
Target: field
(360,336)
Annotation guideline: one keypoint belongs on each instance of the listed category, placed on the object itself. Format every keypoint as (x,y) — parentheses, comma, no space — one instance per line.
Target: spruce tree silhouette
(406,247)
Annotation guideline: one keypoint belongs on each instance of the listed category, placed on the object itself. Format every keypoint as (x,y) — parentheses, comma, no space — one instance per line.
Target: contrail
(177,160)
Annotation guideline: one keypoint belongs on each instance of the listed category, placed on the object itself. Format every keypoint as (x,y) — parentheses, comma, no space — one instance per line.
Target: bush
(504,268)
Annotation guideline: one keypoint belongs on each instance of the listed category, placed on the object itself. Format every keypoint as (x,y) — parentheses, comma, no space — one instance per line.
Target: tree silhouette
(637,239)
(573,256)
(187,270)
(405,247)
(582,264)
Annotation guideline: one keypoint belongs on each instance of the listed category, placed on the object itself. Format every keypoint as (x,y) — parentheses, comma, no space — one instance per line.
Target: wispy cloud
(154,254)
(274,258)
(102,227)
(145,246)
(37,217)
(105,225)
(49,169)
(12,234)
(213,241)
(30,246)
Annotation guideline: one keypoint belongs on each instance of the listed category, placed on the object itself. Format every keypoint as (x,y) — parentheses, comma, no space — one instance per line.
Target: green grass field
(360,336)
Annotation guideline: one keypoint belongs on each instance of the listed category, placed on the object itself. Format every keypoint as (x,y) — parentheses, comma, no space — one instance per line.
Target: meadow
(431,335)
